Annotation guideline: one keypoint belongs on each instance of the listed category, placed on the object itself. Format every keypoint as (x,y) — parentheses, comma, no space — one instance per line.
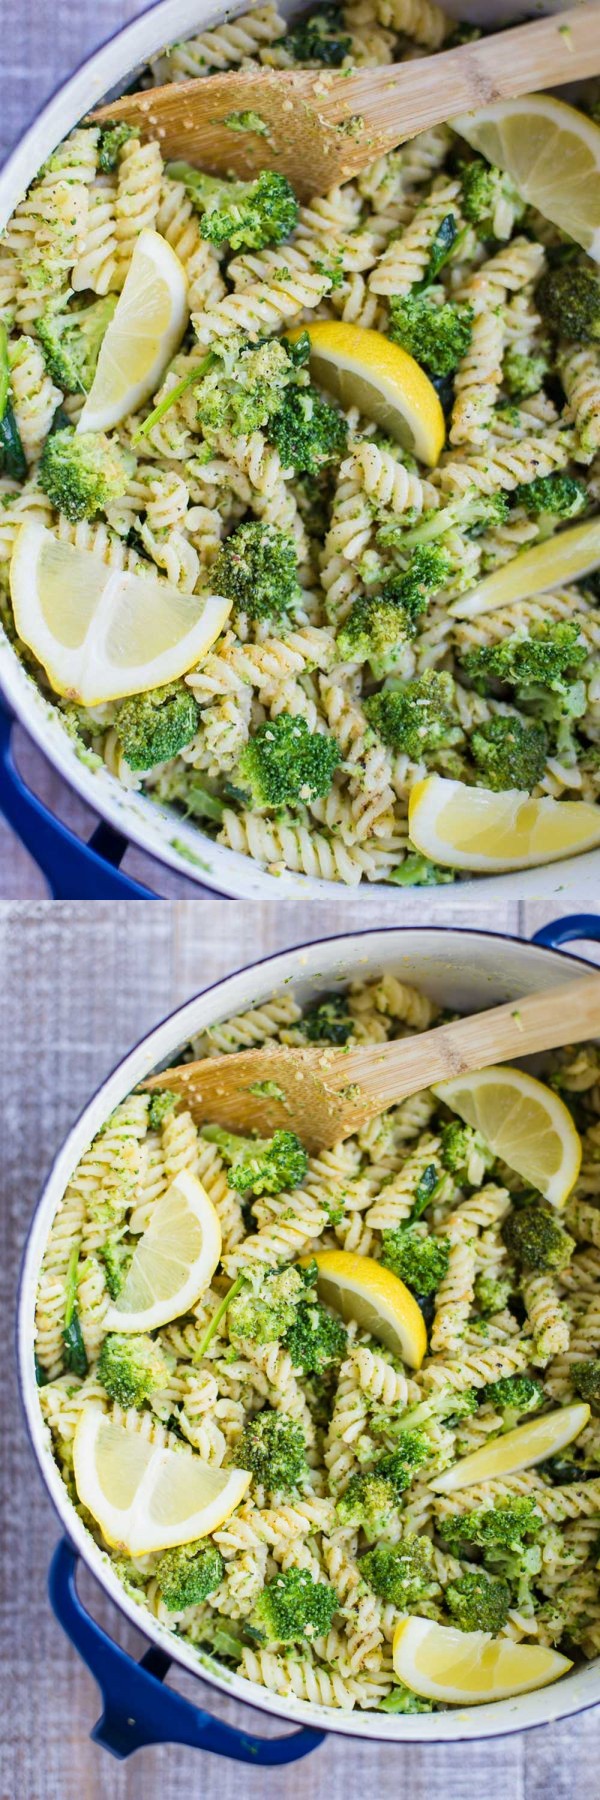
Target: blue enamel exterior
(137,1709)
(72,869)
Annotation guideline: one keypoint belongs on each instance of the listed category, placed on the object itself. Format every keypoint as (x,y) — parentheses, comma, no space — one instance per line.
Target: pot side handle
(73,871)
(137,1709)
(563,931)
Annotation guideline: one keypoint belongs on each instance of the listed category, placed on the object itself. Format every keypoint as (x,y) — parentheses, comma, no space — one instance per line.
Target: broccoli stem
(216,1319)
(169,400)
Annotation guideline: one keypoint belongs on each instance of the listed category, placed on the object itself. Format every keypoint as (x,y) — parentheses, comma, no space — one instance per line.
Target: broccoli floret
(112,139)
(71,342)
(514,1396)
(503,1527)
(116,1258)
(545,657)
(153,727)
(161,1106)
(373,1494)
(377,625)
(368,1501)
(437,336)
(557,496)
(418,871)
(401,1700)
(484,188)
(246,384)
(472,513)
(585,1378)
(478,1602)
(81,472)
(535,1238)
(492,1294)
(316,1339)
(523,375)
(319,38)
(510,753)
(187,1575)
(308,433)
(272,1447)
(260,1165)
(256,568)
(569,300)
(265,1306)
(539,668)
(374,630)
(421,1262)
(293,1609)
(403,1574)
(247,121)
(327,1021)
(131,1368)
(460,1145)
(418,716)
(247,215)
(286,764)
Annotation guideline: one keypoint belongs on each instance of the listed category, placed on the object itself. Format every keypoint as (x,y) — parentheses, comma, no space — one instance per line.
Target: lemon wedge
(361,1289)
(553,155)
(145,1497)
(361,368)
(467,1668)
(524,1122)
(101,633)
(559,559)
(145,331)
(485,832)
(519,1449)
(173,1261)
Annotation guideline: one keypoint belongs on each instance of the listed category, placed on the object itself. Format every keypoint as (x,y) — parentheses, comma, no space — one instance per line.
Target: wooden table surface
(81,984)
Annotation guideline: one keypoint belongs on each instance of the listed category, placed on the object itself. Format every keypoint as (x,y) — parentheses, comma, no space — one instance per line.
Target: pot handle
(563,931)
(73,871)
(138,1710)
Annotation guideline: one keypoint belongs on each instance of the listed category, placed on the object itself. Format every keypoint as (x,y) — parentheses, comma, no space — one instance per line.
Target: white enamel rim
(172,840)
(464,969)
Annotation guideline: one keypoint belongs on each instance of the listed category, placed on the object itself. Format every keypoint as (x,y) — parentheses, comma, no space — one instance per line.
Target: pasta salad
(344,1526)
(344,675)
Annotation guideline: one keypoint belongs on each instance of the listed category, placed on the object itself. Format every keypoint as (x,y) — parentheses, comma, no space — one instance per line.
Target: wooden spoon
(323,127)
(325,1094)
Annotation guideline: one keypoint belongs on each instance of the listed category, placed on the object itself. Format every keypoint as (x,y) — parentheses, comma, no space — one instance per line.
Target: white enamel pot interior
(466,970)
(160,831)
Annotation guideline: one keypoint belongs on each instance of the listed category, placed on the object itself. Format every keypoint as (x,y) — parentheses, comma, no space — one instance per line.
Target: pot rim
(497,1719)
(170,839)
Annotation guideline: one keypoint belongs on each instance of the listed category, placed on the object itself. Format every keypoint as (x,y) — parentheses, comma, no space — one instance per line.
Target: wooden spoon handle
(520,1028)
(548,53)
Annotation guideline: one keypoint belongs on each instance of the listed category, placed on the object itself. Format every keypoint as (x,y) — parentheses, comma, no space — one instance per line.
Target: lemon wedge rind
(146,329)
(485,832)
(552,152)
(522,1448)
(103,633)
(147,1496)
(469,1668)
(173,1261)
(361,368)
(560,559)
(523,1121)
(360,1288)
